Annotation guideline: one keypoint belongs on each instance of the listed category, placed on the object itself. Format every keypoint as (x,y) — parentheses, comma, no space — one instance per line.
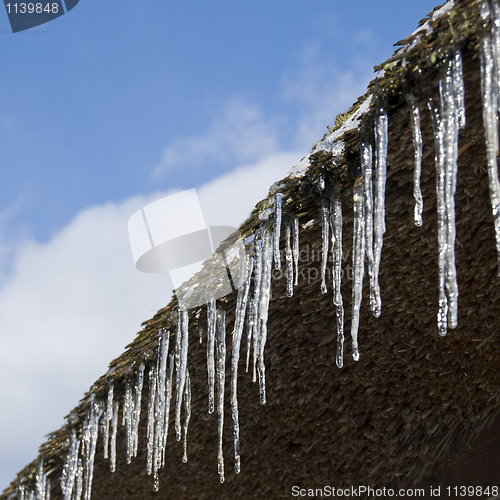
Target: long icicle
(295,248)
(246,269)
(128,408)
(325,216)
(211,321)
(187,416)
(442,318)
(136,413)
(289,260)
(71,465)
(490,82)
(168,399)
(114,428)
(381,136)
(451,119)
(265,295)
(183,319)
(336,222)
(417,158)
(256,301)
(108,417)
(277,230)
(151,417)
(358,256)
(159,408)
(91,429)
(366,167)
(221,375)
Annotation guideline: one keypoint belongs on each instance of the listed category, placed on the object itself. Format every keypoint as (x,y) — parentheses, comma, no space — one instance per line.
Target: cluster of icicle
(257,256)
(42,487)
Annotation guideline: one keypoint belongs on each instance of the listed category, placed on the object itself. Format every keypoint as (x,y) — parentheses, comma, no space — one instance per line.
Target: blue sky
(117,103)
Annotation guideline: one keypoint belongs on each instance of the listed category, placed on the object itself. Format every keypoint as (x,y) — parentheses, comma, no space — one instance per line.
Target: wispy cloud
(242,133)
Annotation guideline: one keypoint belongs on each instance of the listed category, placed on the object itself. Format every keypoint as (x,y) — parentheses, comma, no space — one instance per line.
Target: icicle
(91,428)
(70,467)
(277,230)
(417,170)
(366,167)
(379,202)
(128,408)
(417,147)
(47,489)
(183,319)
(451,120)
(256,302)
(79,481)
(200,331)
(167,404)
(289,261)
(107,418)
(114,428)
(136,412)
(495,39)
(211,320)
(187,410)
(21,492)
(246,268)
(151,416)
(221,375)
(336,220)
(324,244)
(295,249)
(159,408)
(358,257)
(458,85)
(441,217)
(265,295)
(250,326)
(490,82)
(40,482)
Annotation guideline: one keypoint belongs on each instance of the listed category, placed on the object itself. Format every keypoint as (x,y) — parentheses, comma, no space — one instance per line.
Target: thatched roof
(414,399)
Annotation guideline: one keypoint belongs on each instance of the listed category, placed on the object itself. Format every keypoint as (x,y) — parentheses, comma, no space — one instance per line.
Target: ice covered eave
(333,142)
